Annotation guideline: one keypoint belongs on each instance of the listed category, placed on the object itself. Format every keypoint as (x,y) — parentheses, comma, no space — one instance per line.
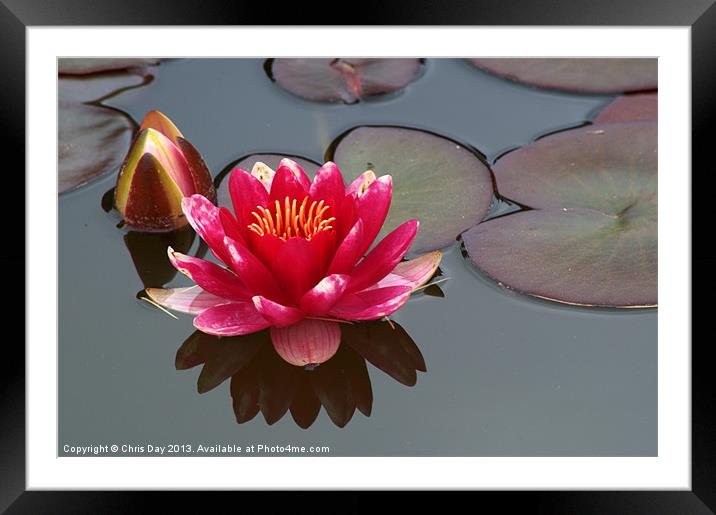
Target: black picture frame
(699,15)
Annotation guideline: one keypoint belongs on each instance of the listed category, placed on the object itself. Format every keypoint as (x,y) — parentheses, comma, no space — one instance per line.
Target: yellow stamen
(289,219)
(260,220)
(268,219)
(278,218)
(256,229)
(302,212)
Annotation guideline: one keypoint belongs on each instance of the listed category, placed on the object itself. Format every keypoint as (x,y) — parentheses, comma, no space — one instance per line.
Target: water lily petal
(319,299)
(278,314)
(328,185)
(266,248)
(151,200)
(296,268)
(160,122)
(371,304)
(300,174)
(191,300)
(200,174)
(324,246)
(264,173)
(384,257)
(262,167)
(168,154)
(286,184)
(204,218)
(252,272)
(346,216)
(307,342)
(360,185)
(414,272)
(210,276)
(348,251)
(373,207)
(231,227)
(230,319)
(246,193)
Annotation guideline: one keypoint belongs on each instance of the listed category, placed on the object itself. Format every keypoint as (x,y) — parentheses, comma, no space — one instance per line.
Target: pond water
(507,375)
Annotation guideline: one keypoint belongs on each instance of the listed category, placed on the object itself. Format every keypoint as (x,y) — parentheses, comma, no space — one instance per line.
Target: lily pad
(437,181)
(591,235)
(84,65)
(343,79)
(247,163)
(582,75)
(92,138)
(643,106)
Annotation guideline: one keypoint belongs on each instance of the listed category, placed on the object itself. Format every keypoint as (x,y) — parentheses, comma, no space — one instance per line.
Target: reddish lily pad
(627,108)
(343,79)
(247,163)
(591,236)
(84,65)
(437,181)
(582,75)
(92,138)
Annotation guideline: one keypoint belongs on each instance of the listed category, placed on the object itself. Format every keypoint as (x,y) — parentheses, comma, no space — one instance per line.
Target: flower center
(292,220)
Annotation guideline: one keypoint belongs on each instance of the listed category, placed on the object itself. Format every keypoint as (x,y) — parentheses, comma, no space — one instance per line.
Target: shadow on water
(149,253)
(261,381)
(148,250)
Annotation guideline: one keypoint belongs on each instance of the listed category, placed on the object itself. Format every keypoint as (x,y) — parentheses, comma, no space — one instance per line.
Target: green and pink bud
(161,168)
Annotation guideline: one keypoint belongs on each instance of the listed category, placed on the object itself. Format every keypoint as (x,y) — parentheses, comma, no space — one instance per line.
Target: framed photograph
(432,263)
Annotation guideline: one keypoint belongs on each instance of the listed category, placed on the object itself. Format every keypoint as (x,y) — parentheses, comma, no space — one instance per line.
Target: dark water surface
(507,375)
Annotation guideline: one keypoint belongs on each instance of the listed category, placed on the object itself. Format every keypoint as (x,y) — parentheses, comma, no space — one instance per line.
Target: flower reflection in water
(261,381)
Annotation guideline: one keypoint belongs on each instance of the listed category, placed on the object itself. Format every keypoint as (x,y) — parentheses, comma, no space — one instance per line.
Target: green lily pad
(582,75)
(92,139)
(84,65)
(343,79)
(247,163)
(627,108)
(590,237)
(437,181)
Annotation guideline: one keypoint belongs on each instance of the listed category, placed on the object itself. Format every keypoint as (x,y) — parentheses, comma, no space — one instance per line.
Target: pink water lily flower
(298,259)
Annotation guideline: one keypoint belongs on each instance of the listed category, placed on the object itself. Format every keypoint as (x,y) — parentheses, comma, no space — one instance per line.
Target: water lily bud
(160,169)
